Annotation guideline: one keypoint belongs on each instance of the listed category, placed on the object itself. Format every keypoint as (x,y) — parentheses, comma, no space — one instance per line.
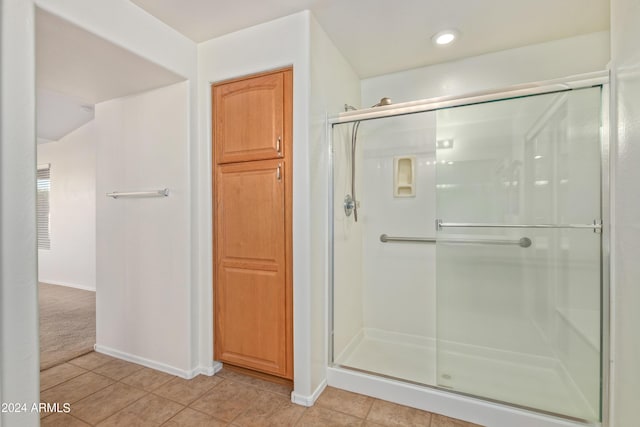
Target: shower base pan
(402,368)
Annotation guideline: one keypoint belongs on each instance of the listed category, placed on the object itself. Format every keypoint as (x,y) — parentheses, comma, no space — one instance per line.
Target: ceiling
(59,114)
(383,36)
(76,69)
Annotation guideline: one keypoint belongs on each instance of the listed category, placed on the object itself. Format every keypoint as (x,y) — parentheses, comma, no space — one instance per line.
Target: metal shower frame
(600,78)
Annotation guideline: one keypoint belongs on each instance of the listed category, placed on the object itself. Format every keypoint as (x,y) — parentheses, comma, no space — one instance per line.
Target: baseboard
(207,370)
(158,366)
(67,284)
(309,400)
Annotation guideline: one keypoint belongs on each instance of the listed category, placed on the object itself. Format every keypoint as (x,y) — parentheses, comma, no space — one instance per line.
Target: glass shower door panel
(518,305)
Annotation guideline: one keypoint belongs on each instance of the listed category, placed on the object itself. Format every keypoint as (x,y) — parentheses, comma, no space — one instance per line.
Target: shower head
(384,101)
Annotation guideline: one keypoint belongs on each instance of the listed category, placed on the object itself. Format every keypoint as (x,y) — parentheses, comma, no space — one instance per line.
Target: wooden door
(249,118)
(252,302)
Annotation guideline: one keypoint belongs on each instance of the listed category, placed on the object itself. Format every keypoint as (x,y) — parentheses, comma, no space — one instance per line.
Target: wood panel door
(251,297)
(250,117)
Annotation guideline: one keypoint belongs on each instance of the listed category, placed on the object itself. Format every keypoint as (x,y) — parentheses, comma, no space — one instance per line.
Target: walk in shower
(478,263)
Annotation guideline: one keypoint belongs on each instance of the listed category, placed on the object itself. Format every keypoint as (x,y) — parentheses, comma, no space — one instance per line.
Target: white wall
(143,304)
(19,361)
(496,70)
(126,25)
(275,44)
(71,260)
(625,24)
(333,83)
(407,135)
(400,277)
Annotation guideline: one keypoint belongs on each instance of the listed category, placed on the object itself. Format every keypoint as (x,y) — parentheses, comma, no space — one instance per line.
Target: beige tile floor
(104,391)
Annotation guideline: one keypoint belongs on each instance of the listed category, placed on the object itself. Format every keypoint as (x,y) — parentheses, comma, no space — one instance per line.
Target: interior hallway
(106,391)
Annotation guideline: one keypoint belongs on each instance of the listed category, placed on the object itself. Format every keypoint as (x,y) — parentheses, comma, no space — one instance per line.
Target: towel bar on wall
(155,193)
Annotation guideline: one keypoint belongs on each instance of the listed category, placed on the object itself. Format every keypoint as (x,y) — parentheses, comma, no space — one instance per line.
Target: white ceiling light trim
(445,37)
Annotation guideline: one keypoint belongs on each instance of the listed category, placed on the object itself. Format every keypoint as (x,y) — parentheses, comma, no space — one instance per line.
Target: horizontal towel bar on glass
(523,242)
(596,226)
(155,193)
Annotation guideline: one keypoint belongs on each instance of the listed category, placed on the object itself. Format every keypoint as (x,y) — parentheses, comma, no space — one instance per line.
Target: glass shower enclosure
(476,262)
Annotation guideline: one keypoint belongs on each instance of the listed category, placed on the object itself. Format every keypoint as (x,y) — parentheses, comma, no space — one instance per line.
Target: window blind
(42,206)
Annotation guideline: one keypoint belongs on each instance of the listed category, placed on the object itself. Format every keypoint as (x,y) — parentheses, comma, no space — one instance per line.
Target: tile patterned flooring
(104,391)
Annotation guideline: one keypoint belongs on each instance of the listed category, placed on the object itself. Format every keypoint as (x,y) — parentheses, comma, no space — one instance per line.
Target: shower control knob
(349,205)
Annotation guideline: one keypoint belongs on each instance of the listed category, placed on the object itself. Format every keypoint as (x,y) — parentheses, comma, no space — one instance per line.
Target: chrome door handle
(278,172)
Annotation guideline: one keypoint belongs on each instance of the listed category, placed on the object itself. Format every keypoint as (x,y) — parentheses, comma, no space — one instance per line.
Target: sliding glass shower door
(518,252)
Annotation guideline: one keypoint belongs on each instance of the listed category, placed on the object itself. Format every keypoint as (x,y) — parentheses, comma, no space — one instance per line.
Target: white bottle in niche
(404,176)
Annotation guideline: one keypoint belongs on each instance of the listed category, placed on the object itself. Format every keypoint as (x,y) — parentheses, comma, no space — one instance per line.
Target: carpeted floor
(67,323)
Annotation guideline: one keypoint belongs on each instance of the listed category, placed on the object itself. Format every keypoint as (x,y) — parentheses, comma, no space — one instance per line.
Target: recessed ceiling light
(444,37)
